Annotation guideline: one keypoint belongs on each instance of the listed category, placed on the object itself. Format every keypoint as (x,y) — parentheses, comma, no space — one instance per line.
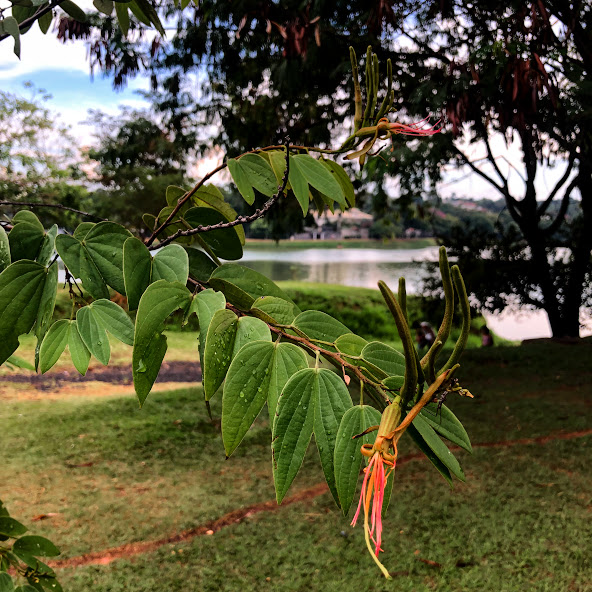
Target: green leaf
(97,259)
(384,357)
(292,429)
(104,6)
(431,456)
(210,196)
(137,270)
(241,180)
(250,329)
(299,185)
(218,350)
(83,229)
(11,528)
(173,194)
(4,250)
(274,310)
(331,402)
(44,21)
(47,302)
(205,305)
(10,26)
(159,300)
(277,160)
(201,266)
(320,326)
(47,245)
(25,588)
(319,177)
(6,584)
(20,363)
(36,546)
(224,242)
(171,263)
(438,447)
(95,320)
(25,241)
(348,458)
(22,286)
(249,172)
(447,425)
(74,11)
(78,351)
(343,179)
(28,217)
(257,374)
(350,344)
(54,344)
(242,286)
(122,17)
(147,9)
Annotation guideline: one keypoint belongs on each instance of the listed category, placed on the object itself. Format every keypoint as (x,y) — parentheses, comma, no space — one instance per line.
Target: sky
(63,71)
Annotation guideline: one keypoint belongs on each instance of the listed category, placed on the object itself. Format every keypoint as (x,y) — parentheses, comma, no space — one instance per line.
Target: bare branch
(240,219)
(56,206)
(545,205)
(554,226)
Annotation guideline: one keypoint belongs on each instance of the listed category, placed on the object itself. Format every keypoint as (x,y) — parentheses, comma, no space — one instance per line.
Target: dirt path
(237,516)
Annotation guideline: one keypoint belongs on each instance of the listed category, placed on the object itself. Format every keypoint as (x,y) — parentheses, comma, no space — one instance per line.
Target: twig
(239,220)
(56,206)
(35,17)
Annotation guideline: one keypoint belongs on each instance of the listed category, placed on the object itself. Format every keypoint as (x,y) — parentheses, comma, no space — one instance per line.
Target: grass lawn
(113,474)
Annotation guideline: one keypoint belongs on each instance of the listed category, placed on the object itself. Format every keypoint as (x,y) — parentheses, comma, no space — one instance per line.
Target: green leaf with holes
(218,350)
(256,375)
(97,258)
(160,299)
(348,458)
(242,286)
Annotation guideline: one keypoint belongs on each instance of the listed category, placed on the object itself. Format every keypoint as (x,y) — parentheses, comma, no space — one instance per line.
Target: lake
(364,267)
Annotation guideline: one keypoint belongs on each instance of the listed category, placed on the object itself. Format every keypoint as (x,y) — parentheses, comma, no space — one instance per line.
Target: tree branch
(56,206)
(239,220)
(545,205)
(29,21)
(554,226)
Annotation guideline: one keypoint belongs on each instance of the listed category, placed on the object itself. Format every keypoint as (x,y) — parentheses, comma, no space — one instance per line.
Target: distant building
(338,225)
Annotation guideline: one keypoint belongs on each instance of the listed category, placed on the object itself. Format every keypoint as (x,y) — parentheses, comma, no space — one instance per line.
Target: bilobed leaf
(11,528)
(47,245)
(104,6)
(6,584)
(201,266)
(4,250)
(171,263)
(292,429)
(83,229)
(259,173)
(438,447)
(384,357)
(224,242)
(348,458)
(331,401)
(74,11)
(242,286)
(122,17)
(78,351)
(250,329)
(299,185)
(320,326)
(22,286)
(447,425)
(210,196)
(28,217)
(46,303)
(114,319)
(10,26)
(97,259)
(319,177)
(173,194)
(25,241)
(205,305)
(257,374)
(350,344)
(218,350)
(36,546)
(53,345)
(272,309)
(137,268)
(343,179)
(158,301)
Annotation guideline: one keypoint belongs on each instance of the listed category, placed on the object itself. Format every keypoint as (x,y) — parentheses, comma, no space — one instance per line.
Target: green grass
(397,243)
(521,522)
